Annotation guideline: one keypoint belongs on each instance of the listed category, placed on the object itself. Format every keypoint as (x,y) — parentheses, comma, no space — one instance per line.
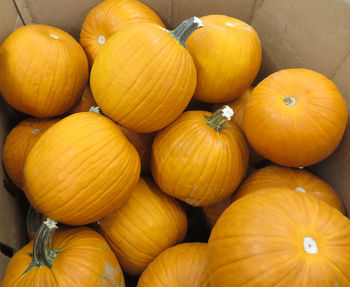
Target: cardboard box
(312,34)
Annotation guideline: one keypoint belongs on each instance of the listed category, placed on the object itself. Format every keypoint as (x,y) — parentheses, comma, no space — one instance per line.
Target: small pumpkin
(148,223)
(43,71)
(238,106)
(86,102)
(227,55)
(200,158)
(19,143)
(81,169)
(279,237)
(184,265)
(109,17)
(299,180)
(295,117)
(77,257)
(144,77)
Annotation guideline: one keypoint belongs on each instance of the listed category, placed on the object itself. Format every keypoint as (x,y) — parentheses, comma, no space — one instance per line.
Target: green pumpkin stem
(42,254)
(33,220)
(218,119)
(185,29)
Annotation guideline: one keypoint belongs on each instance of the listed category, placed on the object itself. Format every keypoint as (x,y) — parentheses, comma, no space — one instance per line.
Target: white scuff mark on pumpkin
(191,201)
(108,278)
(300,167)
(101,39)
(242,26)
(310,245)
(299,188)
(227,112)
(194,187)
(54,36)
(35,131)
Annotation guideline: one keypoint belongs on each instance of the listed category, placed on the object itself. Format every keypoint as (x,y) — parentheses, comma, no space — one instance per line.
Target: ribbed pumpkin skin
(143,145)
(86,102)
(85,260)
(41,75)
(259,241)
(19,143)
(148,223)
(184,265)
(298,180)
(301,134)
(238,106)
(143,78)
(227,55)
(107,18)
(194,163)
(81,169)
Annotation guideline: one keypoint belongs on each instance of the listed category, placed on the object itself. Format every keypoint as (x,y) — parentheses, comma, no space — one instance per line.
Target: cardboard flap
(10,20)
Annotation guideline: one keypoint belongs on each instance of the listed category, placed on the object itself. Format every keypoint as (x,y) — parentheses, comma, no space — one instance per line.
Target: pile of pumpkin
(79,160)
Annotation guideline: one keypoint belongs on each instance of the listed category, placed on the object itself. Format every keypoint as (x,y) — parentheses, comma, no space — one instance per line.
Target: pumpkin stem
(33,220)
(185,29)
(42,254)
(290,101)
(218,118)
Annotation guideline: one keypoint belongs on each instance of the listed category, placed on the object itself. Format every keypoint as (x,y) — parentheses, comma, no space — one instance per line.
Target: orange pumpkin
(184,265)
(277,237)
(238,106)
(109,17)
(295,117)
(77,257)
(19,143)
(200,158)
(143,145)
(86,102)
(43,71)
(227,55)
(296,179)
(148,223)
(81,169)
(144,77)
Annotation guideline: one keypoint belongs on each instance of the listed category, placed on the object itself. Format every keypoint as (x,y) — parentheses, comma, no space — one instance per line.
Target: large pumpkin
(184,265)
(280,238)
(109,17)
(81,169)
(77,257)
(299,180)
(295,117)
(43,70)
(227,55)
(19,143)
(148,223)
(200,158)
(144,77)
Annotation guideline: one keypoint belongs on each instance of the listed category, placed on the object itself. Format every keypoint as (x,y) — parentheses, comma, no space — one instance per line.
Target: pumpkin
(200,158)
(148,223)
(109,17)
(299,180)
(184,265)
(295,117)
(19,143)
(86,102)
(238,106)
(143,144)
(77,257)
(81,169)
(227,55)
(43,71)
(279,237)
(144,77)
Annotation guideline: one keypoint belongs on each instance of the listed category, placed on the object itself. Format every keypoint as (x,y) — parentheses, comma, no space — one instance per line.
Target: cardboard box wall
(313,34)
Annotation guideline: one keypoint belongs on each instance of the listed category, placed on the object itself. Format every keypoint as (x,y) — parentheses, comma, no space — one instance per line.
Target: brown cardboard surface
(10,19)
(183,9)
